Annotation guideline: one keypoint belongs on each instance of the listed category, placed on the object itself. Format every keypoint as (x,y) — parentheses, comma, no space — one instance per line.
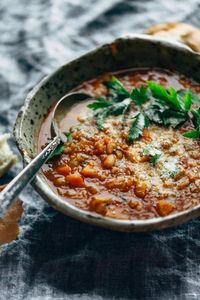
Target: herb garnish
(196,121)
(60,148)
(155,104)
(137,126)
(139,96)
(58,151)
(154,154)
(170,168)
(154,159)
(106,108)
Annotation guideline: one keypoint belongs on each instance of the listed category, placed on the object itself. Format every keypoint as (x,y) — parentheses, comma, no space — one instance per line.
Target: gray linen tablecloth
(56,257)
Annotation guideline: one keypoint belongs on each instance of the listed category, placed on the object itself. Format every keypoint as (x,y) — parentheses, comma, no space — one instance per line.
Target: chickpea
(182,185)
(146,135)
(195,187)
(109,161)
(76,135)
(115,170)
(164,208)
(143,158)
(121,183)
(59,181)
(71,192)
(74,163)
(192,176)
(119,154)
(141,189)
(195,154)
(179,175)
(135,204)
(175,138)
(110,147)
(130,156)
(99,147)
(168,184)
(89,171)
(166,144)
(81,119)
(98,204)
(92,189)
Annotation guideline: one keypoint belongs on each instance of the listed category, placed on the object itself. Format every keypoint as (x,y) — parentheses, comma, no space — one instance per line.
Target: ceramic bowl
(123,53)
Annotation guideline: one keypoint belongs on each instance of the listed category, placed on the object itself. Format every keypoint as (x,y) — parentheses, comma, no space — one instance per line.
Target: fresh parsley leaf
(118,85)
(117,91)
(196,121)
(173,118)
(196,118)
(154,153)
(139,95)
(100,103)
(137,127)
(162,106)
(150,150)
(187,100)
(100,118)
(194,98)
(170,167)
(153,110)
(147,122)
(58,151)
(114,109)
(192,134)
(68,135)
(119,108)
(164,115)
(154,159)
(174,172)
(166,96)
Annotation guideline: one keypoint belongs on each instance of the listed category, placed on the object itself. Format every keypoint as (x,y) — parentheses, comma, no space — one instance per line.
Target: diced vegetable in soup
(133,152)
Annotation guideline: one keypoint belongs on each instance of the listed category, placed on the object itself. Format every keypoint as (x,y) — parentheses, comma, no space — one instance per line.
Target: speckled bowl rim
(70,210)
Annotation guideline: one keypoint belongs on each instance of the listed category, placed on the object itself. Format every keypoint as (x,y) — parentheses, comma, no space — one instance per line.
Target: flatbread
(9,229)
(181,32)
(7,158)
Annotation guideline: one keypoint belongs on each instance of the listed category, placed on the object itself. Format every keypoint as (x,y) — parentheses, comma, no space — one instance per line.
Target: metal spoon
(14,188)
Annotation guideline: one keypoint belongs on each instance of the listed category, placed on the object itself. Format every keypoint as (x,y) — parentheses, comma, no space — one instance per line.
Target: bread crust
(182,32)
(9,229)
(7,158)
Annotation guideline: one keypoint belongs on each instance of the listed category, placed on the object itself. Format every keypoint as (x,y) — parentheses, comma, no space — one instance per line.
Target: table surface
(56,257)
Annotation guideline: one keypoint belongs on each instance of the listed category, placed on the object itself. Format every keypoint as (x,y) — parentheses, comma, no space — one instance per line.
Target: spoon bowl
(14,188)
(60,111)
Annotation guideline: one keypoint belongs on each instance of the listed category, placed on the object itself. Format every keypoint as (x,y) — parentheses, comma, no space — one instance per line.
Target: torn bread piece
(181,32)
(9,229)
(7,158)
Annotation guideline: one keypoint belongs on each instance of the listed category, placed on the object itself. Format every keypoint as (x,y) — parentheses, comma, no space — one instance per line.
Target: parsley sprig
(154,154)
(138,124)
(155,103)
(61,147)
(196,121)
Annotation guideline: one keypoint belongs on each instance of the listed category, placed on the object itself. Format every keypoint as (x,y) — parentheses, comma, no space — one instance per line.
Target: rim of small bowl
(42,187)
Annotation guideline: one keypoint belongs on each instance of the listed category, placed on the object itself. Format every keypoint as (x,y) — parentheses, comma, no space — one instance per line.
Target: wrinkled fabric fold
(56,257)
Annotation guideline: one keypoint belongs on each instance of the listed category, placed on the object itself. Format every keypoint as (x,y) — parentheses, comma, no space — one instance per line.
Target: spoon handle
(14,188)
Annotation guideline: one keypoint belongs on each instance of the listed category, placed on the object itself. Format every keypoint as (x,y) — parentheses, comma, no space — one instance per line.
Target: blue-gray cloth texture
(56,257)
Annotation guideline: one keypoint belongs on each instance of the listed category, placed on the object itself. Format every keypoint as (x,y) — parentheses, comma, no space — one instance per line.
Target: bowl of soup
(131,161)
